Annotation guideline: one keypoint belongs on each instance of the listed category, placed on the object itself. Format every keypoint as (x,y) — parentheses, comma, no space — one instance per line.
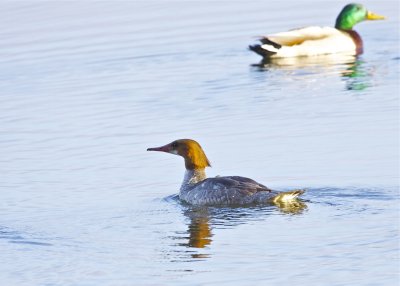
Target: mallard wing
(298,36)
(306,41)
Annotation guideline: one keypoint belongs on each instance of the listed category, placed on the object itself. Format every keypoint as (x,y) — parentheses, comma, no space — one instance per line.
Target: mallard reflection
(326,61)
(351,68)
(356,75)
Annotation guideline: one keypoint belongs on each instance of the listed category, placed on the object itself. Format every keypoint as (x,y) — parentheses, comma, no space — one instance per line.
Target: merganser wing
(228,190)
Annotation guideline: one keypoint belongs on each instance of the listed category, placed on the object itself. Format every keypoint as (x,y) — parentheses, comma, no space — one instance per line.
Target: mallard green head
(352,14)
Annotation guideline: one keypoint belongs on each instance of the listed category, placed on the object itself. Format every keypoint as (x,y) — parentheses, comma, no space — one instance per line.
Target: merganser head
(190,150)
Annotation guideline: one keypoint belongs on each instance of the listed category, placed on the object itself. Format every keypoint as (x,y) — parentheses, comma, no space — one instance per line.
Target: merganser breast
(197,189)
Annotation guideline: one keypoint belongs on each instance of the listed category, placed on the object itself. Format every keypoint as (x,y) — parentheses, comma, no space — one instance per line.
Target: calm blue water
(86,87)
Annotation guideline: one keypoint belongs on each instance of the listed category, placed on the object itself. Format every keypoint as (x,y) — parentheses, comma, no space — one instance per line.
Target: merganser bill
(197,189)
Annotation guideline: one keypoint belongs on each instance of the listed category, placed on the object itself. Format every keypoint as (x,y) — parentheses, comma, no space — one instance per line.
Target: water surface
(87,87)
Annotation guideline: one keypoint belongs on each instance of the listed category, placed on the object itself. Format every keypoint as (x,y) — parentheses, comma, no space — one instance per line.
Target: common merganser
(197,189)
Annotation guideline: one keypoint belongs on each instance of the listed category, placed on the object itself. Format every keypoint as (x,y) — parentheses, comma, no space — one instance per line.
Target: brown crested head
(190,150)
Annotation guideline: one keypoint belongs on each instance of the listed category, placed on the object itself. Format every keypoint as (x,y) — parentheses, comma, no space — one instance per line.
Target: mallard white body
(310,41)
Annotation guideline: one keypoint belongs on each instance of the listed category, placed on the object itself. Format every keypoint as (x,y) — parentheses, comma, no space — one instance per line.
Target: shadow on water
(16,237)
(202,220)
(352,69)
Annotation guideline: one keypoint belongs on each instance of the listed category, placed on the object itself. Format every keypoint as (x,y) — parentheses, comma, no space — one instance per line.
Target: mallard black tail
(259,50)
(267,49)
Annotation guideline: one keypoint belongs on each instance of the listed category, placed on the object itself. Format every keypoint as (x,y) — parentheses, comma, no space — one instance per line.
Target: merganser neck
(192,177)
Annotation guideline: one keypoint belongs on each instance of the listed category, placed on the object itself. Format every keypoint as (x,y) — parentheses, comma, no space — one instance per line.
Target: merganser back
(197,189)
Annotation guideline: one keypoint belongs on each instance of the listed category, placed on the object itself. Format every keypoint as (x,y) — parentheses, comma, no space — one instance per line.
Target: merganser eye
(174,144)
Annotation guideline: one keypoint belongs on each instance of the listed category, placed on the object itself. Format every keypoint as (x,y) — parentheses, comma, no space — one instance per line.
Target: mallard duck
(314,40)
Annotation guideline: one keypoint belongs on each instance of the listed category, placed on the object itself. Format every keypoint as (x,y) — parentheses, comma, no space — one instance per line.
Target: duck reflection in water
(202,220)
(356,75)
(199,231)
(352,69)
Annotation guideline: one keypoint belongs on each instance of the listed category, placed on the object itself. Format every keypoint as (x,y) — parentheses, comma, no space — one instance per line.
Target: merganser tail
(287,196)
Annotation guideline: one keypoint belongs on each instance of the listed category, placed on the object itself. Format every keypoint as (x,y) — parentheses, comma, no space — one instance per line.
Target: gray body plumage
(196,189)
